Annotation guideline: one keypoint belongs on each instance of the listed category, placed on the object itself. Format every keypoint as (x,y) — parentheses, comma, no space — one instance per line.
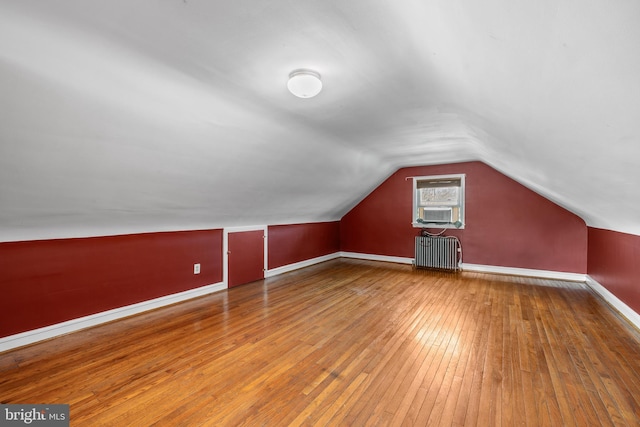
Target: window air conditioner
(436,215)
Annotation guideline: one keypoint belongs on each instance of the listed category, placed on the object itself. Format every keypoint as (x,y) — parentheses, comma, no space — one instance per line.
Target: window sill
(436,225)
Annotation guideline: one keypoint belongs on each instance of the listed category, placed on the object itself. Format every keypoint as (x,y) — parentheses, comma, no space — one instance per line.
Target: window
(438,201)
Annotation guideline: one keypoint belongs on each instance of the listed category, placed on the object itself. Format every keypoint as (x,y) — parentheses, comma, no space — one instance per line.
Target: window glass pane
(439,196)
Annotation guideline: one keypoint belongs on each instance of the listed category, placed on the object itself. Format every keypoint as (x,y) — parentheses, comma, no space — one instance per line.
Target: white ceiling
(122,116)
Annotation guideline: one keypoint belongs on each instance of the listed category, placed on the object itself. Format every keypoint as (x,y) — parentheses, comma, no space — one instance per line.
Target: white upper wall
(120,116)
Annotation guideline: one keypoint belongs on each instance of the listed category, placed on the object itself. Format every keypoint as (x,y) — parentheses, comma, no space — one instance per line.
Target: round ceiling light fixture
(304,83)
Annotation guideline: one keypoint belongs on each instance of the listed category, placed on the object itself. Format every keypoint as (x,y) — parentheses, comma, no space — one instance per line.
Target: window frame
(461,205)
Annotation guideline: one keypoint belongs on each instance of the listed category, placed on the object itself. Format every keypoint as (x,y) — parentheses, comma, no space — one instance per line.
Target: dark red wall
(614,262)
(48,282)
(292,243)
(51,281)
(506,224)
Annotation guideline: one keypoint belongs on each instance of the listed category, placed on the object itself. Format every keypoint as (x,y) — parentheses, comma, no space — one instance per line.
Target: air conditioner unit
(436,215)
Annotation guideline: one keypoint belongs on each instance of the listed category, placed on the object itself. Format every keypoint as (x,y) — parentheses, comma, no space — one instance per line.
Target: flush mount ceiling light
(304,83)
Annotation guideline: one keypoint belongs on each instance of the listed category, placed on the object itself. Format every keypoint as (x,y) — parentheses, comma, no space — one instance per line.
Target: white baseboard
(527,272)
(297,265)
(33,336)
(613,300)
(373,257)
(558,275)
(514,271)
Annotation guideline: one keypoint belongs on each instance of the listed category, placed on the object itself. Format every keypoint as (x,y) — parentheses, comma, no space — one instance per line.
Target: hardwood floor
(348,343)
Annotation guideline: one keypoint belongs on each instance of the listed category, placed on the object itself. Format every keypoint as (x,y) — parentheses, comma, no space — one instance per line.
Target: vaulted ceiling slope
(126,116)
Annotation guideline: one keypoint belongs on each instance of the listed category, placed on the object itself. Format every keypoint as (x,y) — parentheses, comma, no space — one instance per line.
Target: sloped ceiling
(127,116)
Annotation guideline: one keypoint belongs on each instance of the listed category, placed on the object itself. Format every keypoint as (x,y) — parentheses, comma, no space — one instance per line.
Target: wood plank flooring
(348,343)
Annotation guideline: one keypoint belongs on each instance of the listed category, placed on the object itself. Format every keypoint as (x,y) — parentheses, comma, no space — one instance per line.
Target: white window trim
(416,224)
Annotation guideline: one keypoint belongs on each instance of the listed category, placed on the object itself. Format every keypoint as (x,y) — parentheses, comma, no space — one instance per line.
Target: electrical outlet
(196,268)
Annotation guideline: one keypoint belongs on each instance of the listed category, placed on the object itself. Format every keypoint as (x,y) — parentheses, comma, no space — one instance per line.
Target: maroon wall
(614,262)
(506,224)
(51,281)
(292,243)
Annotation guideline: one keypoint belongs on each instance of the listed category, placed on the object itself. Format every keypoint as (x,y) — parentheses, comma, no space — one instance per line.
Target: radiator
(439,252)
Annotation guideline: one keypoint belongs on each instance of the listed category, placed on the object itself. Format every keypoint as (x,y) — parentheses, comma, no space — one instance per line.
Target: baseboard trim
(614,302)
(297,265)
(526,272)
(47,332)
(373,257)
(513,271)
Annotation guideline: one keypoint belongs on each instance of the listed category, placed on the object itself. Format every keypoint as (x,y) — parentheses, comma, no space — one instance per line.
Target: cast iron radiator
(439,252)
